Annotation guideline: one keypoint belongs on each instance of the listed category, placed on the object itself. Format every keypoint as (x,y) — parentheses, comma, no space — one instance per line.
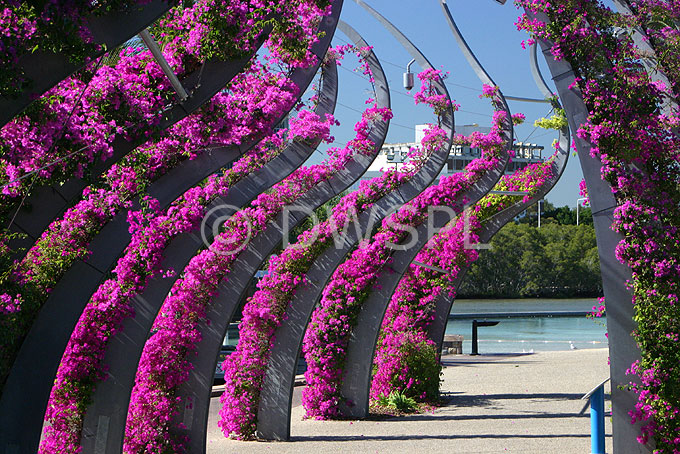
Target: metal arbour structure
(47,203)
(275,407)
(492,225)
(177,256)
(623,350)
(361,349)
(21,412)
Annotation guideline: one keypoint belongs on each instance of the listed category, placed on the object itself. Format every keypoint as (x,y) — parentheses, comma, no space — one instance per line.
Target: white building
(395,154)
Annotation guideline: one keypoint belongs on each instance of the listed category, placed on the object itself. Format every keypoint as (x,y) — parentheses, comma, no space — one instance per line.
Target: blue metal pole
(597,421)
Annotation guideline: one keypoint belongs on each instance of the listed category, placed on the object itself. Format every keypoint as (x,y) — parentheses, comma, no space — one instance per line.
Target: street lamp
(577,205)
(538,208)
(409,80)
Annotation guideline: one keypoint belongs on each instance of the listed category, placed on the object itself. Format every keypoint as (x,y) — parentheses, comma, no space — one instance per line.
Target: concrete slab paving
(495,404)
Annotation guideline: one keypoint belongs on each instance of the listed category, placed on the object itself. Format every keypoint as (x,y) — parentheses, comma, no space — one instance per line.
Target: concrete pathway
(496,404)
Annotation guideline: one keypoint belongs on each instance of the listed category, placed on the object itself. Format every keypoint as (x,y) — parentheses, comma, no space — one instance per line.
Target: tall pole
(475,348)
(597,445)
(578,204)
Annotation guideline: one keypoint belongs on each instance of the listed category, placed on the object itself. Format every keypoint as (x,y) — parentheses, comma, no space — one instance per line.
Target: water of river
(511,335)
(520,334)
(524,334)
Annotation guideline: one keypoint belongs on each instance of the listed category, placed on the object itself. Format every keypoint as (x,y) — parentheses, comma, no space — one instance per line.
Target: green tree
(496,272)
(524,261)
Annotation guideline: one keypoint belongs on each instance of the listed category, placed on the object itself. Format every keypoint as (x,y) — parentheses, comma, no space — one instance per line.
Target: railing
(596,399)
(518,314)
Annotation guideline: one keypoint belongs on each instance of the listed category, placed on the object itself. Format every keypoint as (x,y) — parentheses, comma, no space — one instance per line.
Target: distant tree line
(558,260)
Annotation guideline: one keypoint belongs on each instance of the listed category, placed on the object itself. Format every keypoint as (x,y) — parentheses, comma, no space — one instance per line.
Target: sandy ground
(495,404)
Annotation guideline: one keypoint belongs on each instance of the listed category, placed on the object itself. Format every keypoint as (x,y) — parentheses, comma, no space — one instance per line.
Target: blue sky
(489,30)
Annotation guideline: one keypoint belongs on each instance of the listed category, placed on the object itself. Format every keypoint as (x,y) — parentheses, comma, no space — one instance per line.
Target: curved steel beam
(522,99)
(437,160)
(62,310)
(46,203)
(465,48)
(442,305)
(196,392)
(483,76)
(362,344)
(623,350)
(46,69)
(111,397)
(274,411)
(538,75)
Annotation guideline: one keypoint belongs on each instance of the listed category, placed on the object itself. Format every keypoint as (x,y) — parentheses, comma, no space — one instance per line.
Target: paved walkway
(496,404)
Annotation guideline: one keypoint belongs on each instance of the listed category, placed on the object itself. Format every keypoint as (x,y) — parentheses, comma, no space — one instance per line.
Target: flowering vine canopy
(106,138)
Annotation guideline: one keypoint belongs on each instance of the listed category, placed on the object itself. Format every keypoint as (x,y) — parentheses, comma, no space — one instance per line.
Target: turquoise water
(525,334)
(519,334)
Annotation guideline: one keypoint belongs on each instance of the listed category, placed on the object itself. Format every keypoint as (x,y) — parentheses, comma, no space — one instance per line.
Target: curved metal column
(623,350)
(538,75)
(465,48)
(274,411)
(122,356)
(59,314)
(364,336)
(46,203)
(46,69)
(111,397)
(196,391)
(361,349)
(443,303)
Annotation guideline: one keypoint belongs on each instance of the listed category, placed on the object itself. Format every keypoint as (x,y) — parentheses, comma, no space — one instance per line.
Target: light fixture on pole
(409,79)
(577,205)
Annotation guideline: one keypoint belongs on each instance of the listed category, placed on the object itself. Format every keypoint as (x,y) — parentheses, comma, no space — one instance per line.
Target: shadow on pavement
(349,438)
(469,360)
(484,417)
